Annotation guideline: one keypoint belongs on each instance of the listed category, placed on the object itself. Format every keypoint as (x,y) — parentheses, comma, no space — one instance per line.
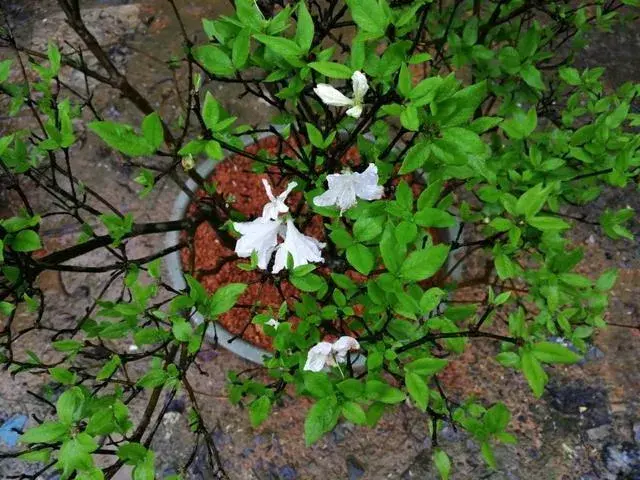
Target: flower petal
(366,184)
(360,86)
(276,205)
(259,235)
(355,111)
(303,249)
(317,357)
(344,344)
(332,96)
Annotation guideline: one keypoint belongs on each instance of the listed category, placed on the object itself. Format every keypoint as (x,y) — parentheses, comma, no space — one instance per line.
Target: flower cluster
(330,354)
(262,236)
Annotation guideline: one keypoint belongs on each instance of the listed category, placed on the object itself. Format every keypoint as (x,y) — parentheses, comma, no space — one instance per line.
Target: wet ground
(587,425)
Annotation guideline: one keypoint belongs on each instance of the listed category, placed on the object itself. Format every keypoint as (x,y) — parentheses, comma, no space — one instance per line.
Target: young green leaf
(424,263)
(331,69)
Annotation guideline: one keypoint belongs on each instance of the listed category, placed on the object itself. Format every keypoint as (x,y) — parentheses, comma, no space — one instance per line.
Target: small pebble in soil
(355,469)
(623,460)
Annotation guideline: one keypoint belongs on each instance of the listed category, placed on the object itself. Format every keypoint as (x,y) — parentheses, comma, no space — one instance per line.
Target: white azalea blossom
(318,356)
(345,188)
(330,354)
(273,323)
(276,205)
(342,346)
(303,249)
(332,96)
(259,235)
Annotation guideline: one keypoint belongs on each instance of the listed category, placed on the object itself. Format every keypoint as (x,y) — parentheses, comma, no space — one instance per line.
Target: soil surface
(586,426)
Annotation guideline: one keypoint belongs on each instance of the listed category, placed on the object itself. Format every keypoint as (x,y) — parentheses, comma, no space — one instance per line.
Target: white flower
(276,205)
(273,323)
(259,235)
(303,249)
(318,356)
(345,187)
(330,354)
(331,96)
(342,346)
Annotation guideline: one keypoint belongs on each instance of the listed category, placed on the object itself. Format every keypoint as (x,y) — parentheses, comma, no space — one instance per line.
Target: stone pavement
(587,426)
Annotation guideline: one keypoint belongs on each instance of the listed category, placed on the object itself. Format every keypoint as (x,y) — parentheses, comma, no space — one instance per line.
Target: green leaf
(615,119)
(369,15)
(534,373)
(392,253)
(132,453)
(5,70)
(241,49)
(308,283)
(442,463)
(146,469)
(382,392)
(425,91)
(354,413)
(570,75)
(214,60)
(182,330)
(63,375)
(417,389)
(249,14)
(226,297)
(318,384)
(48,432)
(152,130)
(361,258)
(280,45)
(426,366)
(367,228)
(434,217)
(607,280)
(550,352)
(322,417)
(122,138)
(424,263)
(332,69)
(497,418)
(6,308)
(531,75)
(521,125)
(575,280)
(548,223)
(487,453)
(531,201)
(259,410)
(68,404)
(305,28)
(415,157)
(510,59)
(351,388)
(109,368)
(75,454)
(25,241)
(153,378)
(508,359)
(315,136)
(409,118)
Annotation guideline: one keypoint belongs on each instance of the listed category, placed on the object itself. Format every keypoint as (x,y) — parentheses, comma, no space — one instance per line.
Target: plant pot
(174,265)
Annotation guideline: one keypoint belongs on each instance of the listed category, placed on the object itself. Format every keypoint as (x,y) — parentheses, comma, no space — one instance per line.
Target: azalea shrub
(420,136)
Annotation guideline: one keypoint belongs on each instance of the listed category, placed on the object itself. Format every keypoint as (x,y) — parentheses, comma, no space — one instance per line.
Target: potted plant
(395,120)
